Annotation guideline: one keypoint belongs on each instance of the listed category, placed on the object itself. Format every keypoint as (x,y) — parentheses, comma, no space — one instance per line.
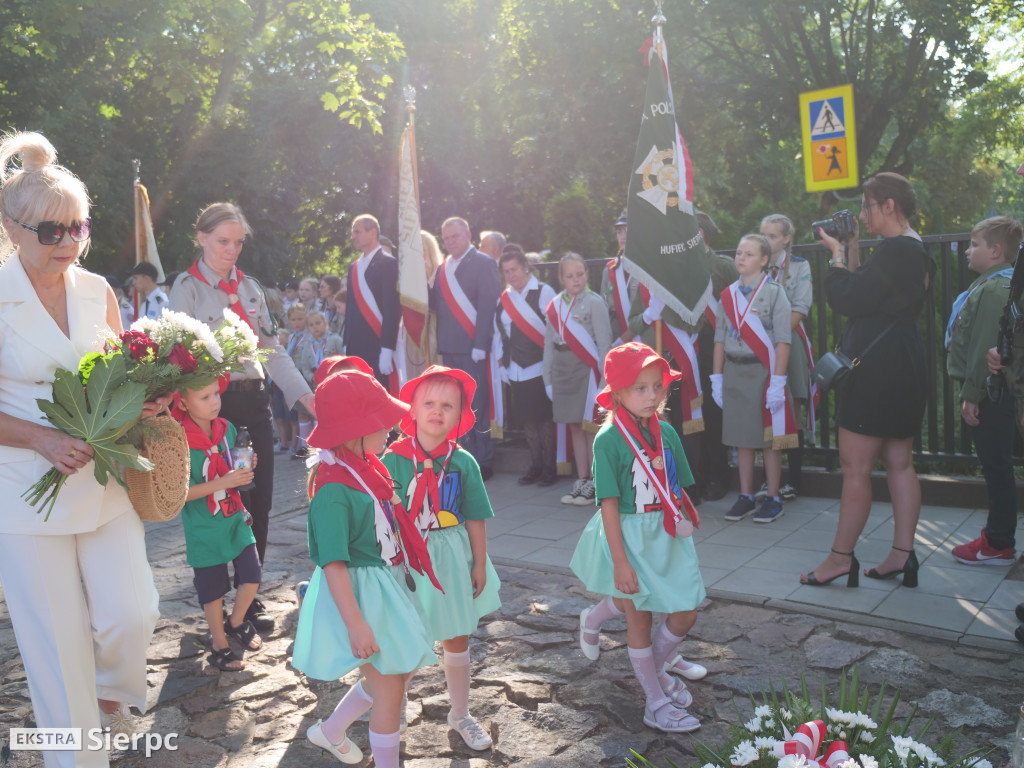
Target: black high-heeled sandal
(909,569)
(852,575)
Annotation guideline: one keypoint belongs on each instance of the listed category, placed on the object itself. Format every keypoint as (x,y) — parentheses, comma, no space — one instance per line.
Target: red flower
(181,357)
(140,346)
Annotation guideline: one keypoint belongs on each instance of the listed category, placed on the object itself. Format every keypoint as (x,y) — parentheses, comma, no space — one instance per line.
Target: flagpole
(410,108)
(658,21)
(137,168)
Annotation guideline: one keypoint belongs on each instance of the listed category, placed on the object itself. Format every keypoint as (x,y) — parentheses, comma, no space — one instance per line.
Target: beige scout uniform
(796,279)
(744,379)
(207,304)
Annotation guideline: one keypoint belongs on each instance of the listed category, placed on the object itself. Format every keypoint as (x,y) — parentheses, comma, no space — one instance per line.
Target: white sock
(384,747)
(646,673)
(598,615)
(456,672)
(352,706)
(665,645)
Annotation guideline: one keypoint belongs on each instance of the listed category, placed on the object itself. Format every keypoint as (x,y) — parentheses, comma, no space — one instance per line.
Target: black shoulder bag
(832,368)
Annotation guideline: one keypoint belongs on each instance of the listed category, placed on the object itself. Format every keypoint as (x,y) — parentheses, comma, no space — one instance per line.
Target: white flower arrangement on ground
(788,730)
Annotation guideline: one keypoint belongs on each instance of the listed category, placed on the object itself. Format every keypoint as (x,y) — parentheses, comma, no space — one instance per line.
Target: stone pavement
(544,703)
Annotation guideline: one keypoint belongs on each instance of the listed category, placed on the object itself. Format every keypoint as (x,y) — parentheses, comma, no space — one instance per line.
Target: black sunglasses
(52,232)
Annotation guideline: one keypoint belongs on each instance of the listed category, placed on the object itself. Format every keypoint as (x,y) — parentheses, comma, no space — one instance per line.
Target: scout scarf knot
(216,449)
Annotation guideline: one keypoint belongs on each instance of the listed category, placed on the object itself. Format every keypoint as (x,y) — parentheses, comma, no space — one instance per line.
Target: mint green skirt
(666,567)
(454,613)
(322,647)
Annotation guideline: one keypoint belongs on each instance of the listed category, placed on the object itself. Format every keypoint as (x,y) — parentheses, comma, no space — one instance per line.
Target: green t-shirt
(618,473)
(461,489)
(213,538)
(345,525)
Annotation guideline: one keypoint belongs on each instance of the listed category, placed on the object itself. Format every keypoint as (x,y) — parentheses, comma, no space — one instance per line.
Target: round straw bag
(159,494)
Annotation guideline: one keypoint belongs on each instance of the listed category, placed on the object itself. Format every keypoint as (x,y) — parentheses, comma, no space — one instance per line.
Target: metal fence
(944,442)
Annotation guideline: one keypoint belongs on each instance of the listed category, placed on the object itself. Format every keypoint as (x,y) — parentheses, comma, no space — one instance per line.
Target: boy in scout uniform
(972,330)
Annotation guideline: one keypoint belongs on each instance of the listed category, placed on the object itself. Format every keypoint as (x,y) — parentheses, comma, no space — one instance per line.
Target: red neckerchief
(216,448)
(655,451)
(230,287)
(427,481)
(377,478)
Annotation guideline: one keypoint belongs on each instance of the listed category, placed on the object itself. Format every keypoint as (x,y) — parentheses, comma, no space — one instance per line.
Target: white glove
(503,372)
(387,361)
(477,355)
(716,388)
(653,311)
(775,399)
(547,391)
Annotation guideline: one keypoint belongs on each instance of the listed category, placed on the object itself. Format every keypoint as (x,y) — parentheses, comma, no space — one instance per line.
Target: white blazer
(32,347)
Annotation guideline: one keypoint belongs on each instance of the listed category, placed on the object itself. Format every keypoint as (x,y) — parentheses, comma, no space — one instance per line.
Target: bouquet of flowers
(101,403)
(789,731)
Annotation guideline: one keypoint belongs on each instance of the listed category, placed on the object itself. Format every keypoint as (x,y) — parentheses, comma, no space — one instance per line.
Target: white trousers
(83,607)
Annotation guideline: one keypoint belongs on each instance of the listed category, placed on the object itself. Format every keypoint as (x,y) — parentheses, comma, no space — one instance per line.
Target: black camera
(840,226)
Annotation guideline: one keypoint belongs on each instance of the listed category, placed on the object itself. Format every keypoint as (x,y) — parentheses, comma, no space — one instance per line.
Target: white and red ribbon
(808,740)
(457,300)
(781,424)
(523,315)
(619,279)
(583,346)
(365,299)
(812,386)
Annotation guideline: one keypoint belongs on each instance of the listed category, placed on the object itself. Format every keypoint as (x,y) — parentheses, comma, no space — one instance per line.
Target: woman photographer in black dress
(882,401)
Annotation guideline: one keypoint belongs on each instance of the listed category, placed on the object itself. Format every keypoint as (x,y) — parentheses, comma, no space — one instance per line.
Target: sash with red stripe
(781,427)
(522,314)
(458,302)
(681,345)
(711,311)
(564,460)
(619,279)
(583,346)
(368,308)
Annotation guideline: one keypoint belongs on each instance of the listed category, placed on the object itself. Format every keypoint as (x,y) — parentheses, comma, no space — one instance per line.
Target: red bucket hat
(349,405)
(334,363)
(465,381)
(622,366)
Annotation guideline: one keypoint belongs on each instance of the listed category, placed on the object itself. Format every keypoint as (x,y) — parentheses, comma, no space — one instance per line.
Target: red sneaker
(979,552)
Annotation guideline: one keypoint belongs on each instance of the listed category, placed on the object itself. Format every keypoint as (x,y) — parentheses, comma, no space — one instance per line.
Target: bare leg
(772,470)
(745,459)
(905,491)
(214,611)
(579,450)
(858,455)
(244,596)
(387,699)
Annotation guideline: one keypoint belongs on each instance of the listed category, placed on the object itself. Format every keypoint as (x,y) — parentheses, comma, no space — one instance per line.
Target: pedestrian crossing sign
(829,139)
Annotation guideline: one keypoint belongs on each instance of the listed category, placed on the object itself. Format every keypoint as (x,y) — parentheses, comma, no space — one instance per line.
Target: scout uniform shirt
(772,307)
(206,303)
(461,489)
(218,537)
(345,526)
(618,473)
(975,330)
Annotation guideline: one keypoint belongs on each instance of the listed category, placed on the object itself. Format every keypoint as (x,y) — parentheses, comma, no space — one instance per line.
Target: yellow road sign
(829,138)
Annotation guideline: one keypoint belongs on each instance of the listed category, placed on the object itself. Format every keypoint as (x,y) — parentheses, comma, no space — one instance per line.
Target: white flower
(787,715)
(241,328)
(851,763)
(867,738)
(982,763)
(743,754)
(710,765)
(765,743)
(793,761)
(867,760)
(763,711)
(753,725)
(864,721)
(904,746)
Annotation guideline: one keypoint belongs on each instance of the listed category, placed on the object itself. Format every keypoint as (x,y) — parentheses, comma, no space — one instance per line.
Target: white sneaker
(577,489)
(347,751)
(471,732)
(587,494)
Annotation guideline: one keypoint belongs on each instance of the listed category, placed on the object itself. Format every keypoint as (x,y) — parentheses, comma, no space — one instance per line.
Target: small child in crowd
(296,316)
(638,548)
(441,486)
(356,613)
(317,344)
(972,330)
(576,340)
(752,334)
(218,529)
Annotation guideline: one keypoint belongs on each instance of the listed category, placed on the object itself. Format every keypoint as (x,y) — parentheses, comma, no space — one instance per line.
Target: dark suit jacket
(382,277)
(478,276)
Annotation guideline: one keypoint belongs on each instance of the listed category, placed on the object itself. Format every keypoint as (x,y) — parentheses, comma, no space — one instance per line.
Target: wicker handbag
(159,495)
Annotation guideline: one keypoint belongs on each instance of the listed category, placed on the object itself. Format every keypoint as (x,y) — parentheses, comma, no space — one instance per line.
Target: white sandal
(591,650)
(677,691)
(688,669)
(665,716)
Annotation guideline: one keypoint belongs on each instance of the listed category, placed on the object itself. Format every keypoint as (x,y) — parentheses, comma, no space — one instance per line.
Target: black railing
(944,443)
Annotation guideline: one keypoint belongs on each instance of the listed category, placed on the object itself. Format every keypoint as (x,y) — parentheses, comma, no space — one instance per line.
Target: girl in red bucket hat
(444,492)
(356,613)
(637,550)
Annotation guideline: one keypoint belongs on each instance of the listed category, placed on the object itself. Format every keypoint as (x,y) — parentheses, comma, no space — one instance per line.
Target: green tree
(573,222)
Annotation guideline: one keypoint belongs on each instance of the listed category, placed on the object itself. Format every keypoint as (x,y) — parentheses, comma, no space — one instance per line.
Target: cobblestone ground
(544,702)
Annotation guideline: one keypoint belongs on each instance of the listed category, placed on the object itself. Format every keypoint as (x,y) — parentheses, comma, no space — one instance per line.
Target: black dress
(885,396)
